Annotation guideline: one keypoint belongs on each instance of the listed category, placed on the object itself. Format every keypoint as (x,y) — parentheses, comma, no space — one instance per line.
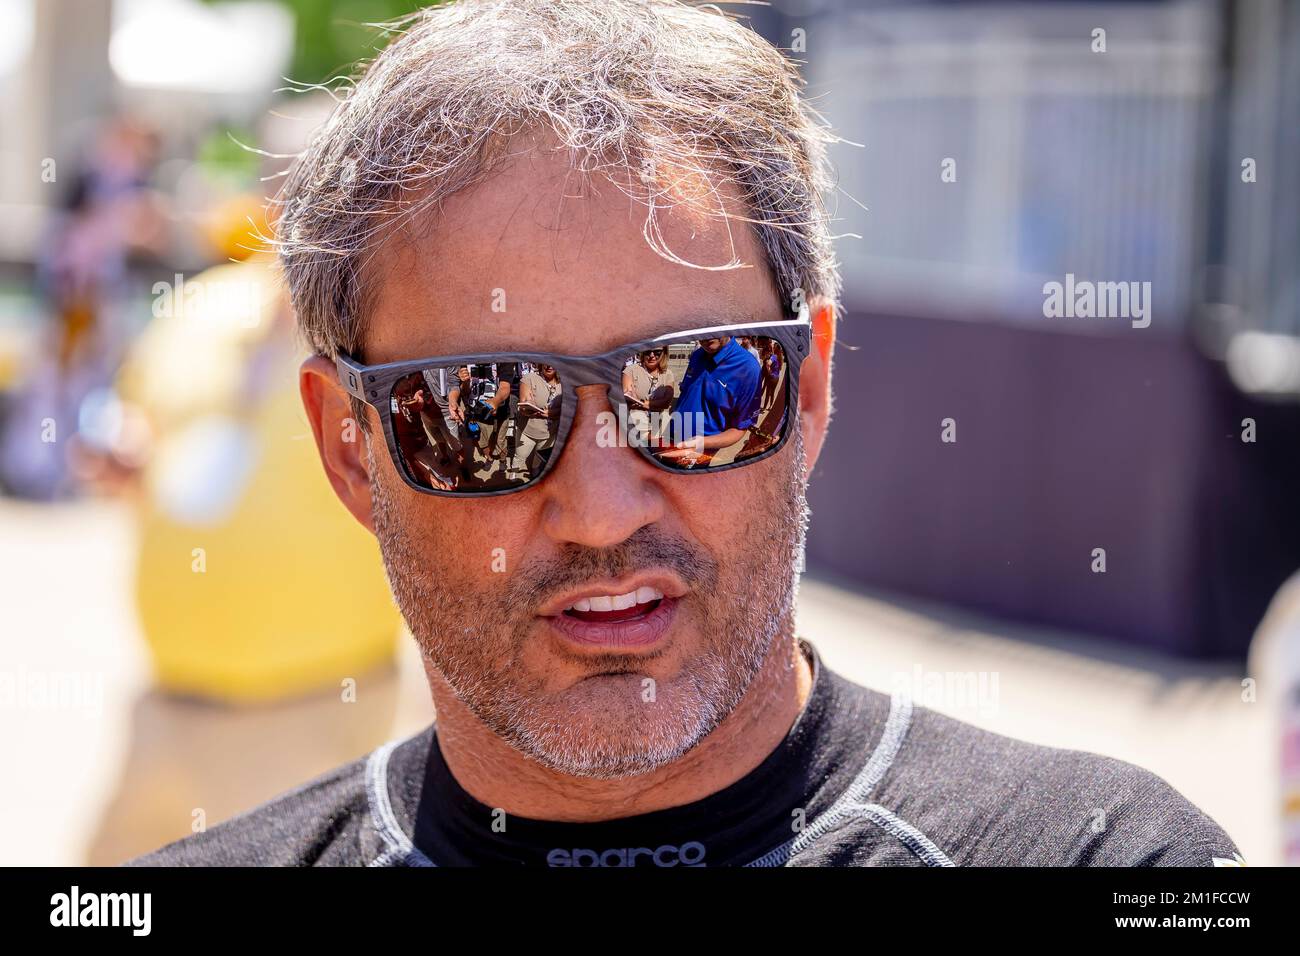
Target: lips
(601,630)
(633,613)
(607,608)
(627,591)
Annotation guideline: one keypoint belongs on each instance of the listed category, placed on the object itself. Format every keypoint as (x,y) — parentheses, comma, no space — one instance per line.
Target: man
(487,409)
(615,670)
(718,403)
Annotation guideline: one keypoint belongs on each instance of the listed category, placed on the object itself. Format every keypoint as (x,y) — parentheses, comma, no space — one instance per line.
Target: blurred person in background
(1275,658)
(237,532)
(109,213)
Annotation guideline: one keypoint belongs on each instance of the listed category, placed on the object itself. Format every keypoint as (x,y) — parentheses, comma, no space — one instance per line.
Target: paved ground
(118,770)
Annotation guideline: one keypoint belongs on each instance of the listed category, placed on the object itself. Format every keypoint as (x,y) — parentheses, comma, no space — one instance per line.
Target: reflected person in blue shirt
(717,401)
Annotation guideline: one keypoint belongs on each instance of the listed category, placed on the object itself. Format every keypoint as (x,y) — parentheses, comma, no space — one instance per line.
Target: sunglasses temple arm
(350,376)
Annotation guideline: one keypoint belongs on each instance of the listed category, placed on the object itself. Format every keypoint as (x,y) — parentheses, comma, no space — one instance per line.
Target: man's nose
(600,491)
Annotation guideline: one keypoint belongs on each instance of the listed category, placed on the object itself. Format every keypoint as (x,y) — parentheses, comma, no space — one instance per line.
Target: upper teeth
(616,602)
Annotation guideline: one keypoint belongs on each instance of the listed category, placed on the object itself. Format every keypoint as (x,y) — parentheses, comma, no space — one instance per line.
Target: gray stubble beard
(626,735)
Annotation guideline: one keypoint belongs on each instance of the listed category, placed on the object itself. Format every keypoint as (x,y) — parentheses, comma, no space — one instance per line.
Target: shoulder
(311,825)
(988,799)
(322,823)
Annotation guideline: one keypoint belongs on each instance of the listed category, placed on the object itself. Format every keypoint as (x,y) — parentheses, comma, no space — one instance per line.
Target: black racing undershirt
(826,747)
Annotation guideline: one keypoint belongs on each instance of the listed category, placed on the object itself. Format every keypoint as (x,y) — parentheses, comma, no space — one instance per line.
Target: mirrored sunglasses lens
(704,403)
(477,428)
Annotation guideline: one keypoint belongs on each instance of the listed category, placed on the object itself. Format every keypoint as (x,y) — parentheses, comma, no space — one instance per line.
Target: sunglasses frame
(373,385)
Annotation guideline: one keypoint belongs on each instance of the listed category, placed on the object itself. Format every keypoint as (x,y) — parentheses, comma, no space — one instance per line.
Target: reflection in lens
(707,402)
(476,428)
(648,390)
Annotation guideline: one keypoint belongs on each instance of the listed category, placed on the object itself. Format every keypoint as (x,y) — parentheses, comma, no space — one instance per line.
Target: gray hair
(641,91)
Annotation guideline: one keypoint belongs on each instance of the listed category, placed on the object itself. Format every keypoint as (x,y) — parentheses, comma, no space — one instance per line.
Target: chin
(603,728)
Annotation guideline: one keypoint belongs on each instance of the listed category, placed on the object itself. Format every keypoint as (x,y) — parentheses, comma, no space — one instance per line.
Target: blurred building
(1001,147)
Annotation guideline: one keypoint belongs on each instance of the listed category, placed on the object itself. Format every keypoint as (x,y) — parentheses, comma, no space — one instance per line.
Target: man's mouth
(622,615)
(613,608)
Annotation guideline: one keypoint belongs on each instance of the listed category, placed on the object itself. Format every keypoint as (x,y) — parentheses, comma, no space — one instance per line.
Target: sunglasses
(489,424)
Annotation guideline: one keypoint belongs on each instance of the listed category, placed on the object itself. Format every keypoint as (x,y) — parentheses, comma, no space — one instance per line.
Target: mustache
(535,581)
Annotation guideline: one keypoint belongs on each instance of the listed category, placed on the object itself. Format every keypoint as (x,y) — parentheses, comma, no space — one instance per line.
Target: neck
(496,774)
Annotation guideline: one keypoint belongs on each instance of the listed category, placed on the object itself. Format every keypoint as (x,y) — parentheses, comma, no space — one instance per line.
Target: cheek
(493,536)
(718,510)
(477,541)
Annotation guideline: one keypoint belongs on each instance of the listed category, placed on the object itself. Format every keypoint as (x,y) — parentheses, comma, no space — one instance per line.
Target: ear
(815,382)
(339,437)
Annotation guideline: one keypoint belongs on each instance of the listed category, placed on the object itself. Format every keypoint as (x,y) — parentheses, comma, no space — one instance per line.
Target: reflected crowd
(703,402)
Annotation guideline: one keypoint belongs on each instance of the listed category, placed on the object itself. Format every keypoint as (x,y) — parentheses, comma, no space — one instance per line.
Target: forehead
(539,257)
